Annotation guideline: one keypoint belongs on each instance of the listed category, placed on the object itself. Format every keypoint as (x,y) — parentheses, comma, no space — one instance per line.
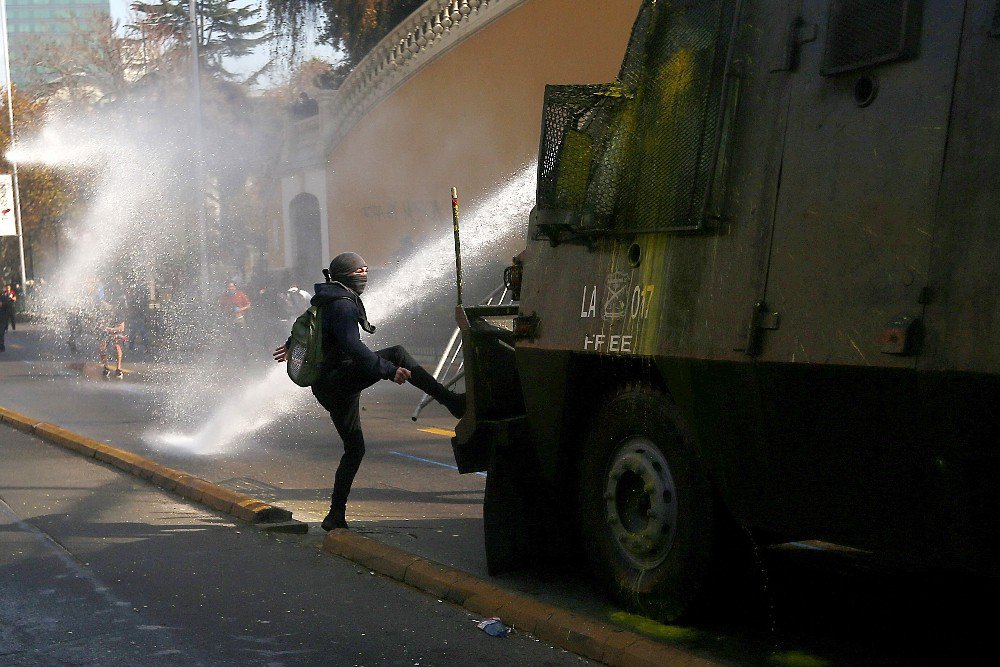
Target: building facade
(31,22)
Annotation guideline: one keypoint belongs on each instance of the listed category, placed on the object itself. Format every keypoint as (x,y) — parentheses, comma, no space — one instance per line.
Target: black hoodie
(342,314)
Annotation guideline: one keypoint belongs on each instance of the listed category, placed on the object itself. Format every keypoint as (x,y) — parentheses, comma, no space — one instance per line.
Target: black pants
(341,394)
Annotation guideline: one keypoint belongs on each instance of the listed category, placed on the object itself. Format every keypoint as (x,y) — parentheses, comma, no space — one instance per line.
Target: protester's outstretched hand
(281,353)
(402,375)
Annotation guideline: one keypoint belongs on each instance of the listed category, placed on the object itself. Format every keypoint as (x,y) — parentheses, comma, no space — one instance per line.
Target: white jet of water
(499,219)
(251,408)
(137,157)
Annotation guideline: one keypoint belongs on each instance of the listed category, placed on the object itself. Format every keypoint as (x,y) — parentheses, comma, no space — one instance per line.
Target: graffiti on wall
(410,211)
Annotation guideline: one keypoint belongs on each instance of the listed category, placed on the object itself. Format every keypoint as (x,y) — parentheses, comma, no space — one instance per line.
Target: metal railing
(418,40)
(451,367)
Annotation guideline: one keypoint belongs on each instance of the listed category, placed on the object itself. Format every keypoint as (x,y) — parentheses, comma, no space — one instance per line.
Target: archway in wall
(307,240)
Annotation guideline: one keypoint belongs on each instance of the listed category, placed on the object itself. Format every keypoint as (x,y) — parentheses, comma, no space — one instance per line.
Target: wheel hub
(640,502)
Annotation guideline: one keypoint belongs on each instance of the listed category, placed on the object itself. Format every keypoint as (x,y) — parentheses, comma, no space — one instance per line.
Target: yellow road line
(438,431)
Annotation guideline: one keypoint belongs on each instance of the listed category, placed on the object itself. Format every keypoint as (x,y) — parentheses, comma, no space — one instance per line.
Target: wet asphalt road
(98,568)
(407,485)
(810,606)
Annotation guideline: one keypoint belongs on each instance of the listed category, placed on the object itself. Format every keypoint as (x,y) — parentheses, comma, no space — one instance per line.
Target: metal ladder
(451,367)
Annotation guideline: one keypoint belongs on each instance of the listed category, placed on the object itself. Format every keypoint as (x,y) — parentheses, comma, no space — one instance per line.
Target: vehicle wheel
(645,504)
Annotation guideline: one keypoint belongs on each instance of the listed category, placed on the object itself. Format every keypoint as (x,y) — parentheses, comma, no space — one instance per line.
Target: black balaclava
(341,269)
(345,264)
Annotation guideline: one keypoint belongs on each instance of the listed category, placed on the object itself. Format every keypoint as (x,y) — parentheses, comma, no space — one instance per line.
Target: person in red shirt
(234,305)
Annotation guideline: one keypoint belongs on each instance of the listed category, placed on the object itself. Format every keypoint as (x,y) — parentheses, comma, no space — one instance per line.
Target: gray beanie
(345,264)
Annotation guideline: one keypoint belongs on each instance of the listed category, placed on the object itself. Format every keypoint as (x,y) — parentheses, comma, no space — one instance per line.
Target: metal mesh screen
(641,153)
(575,120)
(673,152)
(862,33)
(633,64)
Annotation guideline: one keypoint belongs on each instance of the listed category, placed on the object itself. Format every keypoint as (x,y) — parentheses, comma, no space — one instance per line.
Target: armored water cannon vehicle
(759,291)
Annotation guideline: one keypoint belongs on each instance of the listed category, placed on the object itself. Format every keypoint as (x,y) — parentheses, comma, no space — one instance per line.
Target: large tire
(646,507)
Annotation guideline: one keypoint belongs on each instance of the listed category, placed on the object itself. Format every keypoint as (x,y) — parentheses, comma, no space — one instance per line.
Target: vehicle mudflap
(512,507)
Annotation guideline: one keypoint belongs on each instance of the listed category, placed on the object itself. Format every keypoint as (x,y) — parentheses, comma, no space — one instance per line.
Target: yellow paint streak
(438,431)
(798,659)
(858,349)
(651,628)
(676,75)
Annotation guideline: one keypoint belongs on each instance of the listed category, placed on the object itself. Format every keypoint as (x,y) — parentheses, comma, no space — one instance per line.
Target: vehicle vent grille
(862,33)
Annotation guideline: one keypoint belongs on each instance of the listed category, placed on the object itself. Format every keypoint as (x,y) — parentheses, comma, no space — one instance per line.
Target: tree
(225,30)
(139,78)
(352,25)
(47,196)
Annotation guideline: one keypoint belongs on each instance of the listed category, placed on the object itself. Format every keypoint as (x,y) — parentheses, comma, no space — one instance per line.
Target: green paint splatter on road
(651,628)
(798,659)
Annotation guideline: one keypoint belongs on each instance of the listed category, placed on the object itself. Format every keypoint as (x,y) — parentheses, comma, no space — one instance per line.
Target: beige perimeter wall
(469,119)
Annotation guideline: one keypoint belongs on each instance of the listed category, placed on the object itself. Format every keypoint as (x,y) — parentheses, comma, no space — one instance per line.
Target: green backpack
(305,348)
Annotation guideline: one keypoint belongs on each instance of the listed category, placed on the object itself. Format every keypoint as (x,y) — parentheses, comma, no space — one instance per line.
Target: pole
(10,119)
(199,167)
(458,243)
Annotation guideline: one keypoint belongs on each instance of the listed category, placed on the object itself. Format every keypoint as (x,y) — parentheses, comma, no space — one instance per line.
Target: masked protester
(349,367)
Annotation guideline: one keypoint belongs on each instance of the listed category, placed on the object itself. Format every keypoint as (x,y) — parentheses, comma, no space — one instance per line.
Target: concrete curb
(193,488)
(577,634)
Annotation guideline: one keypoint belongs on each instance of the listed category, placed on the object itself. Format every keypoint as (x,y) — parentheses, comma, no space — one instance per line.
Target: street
(407,487)
(105,569)
(703,292)
(98,568)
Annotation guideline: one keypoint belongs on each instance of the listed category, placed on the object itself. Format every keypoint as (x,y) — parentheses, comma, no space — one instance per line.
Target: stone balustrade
(426,34)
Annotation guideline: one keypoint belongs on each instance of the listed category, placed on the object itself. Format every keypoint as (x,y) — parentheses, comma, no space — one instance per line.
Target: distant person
(269,303)
(114,312)
(349,367)
(268,313)
(39,291)
(74,321)
(298,300)
(305,106)
(8,313)
(138,317)
(235,305)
